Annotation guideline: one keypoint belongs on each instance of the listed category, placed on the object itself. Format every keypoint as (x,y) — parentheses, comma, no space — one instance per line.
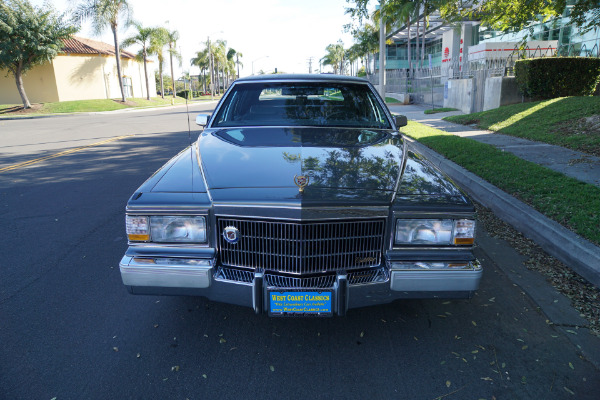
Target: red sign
(446,52)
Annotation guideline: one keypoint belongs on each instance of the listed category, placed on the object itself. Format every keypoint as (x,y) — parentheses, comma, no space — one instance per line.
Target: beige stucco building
(85,69)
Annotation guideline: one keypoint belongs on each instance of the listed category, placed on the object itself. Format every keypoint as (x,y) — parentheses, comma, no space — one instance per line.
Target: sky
(270,34)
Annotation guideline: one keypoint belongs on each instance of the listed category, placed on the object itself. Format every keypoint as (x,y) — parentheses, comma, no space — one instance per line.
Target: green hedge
(551,77)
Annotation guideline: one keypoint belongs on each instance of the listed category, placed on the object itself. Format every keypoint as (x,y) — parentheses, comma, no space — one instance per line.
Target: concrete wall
(501,91)
(459,95)
(39,83)
(135,70)
(78,77)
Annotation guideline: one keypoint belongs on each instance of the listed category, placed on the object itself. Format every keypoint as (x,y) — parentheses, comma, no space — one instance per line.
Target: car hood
(334,160)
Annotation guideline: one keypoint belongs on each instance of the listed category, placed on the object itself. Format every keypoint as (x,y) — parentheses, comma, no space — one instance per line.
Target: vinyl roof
(301,77)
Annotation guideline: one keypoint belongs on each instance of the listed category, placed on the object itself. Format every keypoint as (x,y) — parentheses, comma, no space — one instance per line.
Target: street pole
(381,50)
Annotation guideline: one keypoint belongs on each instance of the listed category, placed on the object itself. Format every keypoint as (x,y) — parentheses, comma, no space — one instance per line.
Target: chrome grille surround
(373,275)
(303,247)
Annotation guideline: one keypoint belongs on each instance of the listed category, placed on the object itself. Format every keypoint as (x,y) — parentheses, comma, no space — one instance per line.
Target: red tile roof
(79,45)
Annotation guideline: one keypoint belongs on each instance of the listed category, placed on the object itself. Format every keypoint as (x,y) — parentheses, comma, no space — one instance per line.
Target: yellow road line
(62,153)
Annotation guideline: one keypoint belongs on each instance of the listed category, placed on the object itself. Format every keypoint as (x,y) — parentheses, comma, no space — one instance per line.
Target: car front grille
(302,247)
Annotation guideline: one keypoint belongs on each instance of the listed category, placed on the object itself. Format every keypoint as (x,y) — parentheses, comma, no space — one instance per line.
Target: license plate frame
(284,306)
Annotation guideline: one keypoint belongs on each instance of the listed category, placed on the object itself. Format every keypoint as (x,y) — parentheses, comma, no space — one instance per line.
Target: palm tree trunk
(172,74)
(423,43)
(418,36)
(162,85)
(146,75)
(21,88)
(118,56)
(409,48)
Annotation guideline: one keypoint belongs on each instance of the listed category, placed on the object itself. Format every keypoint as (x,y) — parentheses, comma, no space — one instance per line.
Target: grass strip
(61,107)
(440,110)
(572,203)
(571,122)
(98,105)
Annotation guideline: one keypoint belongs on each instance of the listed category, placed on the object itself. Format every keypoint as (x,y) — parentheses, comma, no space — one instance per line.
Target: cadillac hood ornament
(301,181)
(231,234)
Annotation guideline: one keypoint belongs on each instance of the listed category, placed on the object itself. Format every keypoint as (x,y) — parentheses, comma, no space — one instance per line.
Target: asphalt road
(69,329)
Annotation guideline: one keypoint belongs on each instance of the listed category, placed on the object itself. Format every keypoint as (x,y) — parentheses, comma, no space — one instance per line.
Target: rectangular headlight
(434,231)
(137,228)
(178,229)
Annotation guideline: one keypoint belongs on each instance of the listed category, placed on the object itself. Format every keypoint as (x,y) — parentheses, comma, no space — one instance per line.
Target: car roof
(302,77)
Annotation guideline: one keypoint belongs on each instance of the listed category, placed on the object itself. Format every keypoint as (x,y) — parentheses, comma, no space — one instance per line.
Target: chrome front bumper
(167,277)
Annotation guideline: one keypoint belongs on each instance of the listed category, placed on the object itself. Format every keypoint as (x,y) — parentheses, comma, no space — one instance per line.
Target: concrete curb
(573,250)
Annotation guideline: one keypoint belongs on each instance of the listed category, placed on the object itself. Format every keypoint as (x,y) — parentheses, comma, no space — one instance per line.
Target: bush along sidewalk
(572,203)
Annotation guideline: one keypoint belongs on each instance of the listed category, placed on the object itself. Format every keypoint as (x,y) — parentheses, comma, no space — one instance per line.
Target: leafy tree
(142,37)
(518,14)
(29,36)
(105,13)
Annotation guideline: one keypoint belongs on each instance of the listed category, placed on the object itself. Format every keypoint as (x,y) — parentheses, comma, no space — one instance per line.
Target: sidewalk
(576,252)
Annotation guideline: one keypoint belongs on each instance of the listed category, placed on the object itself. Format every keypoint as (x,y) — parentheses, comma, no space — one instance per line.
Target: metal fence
(426,85)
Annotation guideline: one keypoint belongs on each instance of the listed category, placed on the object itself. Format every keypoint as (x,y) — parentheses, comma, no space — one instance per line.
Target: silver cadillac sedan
(300,198)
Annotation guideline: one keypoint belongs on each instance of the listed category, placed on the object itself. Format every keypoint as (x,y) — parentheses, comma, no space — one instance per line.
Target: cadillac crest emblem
(301,181)
(231,234)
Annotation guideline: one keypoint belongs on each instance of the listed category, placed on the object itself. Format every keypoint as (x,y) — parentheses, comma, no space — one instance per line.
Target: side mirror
(202,119)
(400,120)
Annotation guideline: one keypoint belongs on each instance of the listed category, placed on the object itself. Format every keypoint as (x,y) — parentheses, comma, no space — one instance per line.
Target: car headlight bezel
(167,229)
(434,232)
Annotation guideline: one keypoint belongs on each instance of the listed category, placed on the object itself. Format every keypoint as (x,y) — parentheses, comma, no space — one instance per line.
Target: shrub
(183,93)
(552,77)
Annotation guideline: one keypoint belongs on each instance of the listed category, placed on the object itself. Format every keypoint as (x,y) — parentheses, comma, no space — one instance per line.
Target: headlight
(178,229)
(434,231)
(166,229)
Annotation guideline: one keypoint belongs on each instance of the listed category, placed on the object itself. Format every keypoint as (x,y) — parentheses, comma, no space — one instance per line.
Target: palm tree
(367,38)
(231,53)
(402,11)
(158,41)
(334,56)
(220,59)
(107,13)
(238,55)
(172,38)
(141,37)
(202,61)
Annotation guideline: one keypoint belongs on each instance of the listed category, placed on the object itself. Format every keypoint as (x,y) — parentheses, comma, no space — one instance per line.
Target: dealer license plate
(301,302)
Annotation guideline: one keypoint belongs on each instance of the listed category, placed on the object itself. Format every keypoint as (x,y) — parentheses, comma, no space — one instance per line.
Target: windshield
(301,104)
